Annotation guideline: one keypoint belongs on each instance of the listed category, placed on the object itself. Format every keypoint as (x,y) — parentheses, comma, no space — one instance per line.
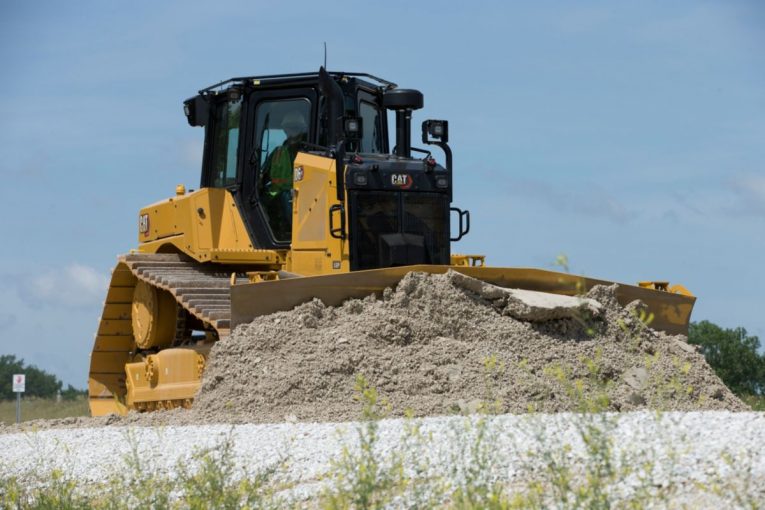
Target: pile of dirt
(442,344)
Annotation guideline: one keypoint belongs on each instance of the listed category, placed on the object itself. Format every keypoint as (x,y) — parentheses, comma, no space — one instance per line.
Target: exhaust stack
(403,102)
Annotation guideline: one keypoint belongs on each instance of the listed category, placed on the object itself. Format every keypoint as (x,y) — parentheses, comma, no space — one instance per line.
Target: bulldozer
(301,197)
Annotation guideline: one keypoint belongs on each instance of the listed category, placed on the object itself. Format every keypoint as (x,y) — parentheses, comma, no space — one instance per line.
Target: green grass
(215,483)
(756,402)
(35,409)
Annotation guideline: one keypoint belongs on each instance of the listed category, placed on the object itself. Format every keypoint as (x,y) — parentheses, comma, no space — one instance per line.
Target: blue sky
(628,135)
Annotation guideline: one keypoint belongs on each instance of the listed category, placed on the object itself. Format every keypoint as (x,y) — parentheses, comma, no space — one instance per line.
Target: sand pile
(442,344)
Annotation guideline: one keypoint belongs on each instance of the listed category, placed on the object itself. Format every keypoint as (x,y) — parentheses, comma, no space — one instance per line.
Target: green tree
(72,393)
(38,384)
(733,355)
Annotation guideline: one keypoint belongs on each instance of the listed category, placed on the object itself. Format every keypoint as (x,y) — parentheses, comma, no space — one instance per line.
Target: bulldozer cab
(393,209)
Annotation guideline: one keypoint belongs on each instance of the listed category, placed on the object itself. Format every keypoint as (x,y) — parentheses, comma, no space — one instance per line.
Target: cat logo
(403,181)
(143,225)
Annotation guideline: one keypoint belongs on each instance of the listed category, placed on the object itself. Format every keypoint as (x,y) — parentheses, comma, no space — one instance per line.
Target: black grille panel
(427,214)
(398,228)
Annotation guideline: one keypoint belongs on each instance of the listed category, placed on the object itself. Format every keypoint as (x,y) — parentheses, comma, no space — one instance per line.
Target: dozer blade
(671,311)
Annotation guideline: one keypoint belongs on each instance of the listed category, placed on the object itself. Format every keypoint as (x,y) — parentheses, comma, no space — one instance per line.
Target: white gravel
(705,447)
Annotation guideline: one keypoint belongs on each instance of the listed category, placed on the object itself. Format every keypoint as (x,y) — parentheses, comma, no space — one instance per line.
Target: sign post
(19,385)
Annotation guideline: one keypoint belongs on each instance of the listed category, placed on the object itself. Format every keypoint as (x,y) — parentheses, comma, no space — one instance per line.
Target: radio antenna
(325,54)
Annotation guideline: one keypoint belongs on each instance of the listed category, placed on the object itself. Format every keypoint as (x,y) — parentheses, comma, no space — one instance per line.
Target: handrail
(273,77)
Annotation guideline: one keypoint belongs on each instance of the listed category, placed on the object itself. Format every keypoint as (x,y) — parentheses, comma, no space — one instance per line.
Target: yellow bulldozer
(300,198)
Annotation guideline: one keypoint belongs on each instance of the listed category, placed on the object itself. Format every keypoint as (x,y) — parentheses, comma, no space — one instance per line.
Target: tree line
(733,354)
(39,383)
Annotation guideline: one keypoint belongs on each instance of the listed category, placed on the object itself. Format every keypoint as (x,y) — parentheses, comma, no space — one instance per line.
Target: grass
(360,478)
(37,408)
(209,480)
(756,402)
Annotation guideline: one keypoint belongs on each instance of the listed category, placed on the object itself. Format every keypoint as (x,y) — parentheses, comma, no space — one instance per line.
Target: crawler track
(202,290)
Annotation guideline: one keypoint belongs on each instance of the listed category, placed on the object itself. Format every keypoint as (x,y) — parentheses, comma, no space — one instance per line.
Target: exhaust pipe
(403,102)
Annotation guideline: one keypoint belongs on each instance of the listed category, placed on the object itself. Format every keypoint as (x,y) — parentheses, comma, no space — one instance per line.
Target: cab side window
(371,140)
(225,144)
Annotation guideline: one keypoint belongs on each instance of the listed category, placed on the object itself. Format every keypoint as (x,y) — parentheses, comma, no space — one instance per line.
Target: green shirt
(280,170)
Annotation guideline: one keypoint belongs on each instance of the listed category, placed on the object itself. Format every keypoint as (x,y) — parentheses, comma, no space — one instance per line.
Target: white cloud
(718,201)
(587,199)
(7,321)
(750,193)
(192,152)
(75,285)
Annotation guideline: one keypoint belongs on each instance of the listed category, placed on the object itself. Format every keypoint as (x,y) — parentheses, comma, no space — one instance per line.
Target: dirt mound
(440,344)
(443,344)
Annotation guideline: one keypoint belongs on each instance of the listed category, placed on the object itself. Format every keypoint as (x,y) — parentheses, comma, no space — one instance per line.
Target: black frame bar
(293,76)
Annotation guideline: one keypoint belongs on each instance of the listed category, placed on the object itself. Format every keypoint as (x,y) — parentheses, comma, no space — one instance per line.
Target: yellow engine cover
(206,225)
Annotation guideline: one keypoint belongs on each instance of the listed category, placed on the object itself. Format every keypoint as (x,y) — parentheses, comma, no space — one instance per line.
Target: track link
(204,291)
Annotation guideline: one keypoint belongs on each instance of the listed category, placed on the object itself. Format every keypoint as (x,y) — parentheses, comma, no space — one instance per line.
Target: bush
(733,355)
(72,393)
(39,383)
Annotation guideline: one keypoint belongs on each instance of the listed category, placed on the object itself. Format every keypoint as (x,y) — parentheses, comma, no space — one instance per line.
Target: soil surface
(440,345)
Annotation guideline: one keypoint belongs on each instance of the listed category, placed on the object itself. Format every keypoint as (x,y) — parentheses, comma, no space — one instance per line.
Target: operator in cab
(278,173)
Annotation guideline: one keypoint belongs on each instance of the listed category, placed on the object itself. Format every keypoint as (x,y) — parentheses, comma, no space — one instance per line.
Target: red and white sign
(19,383)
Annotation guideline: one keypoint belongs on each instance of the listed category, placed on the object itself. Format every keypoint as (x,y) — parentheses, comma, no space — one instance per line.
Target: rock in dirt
(529,305)
(636,378)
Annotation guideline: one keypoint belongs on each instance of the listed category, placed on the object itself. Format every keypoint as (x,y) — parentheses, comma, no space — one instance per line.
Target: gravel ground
(709,447)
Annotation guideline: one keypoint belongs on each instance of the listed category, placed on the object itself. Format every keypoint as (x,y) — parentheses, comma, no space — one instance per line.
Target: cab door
(281,122)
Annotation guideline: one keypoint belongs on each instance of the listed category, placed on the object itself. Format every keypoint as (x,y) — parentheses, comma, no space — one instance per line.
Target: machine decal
(143,225)
(403,181)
